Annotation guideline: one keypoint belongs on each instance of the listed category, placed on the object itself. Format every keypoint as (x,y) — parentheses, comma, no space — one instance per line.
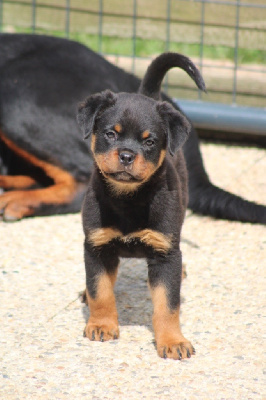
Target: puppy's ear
(91,108)
(177,126)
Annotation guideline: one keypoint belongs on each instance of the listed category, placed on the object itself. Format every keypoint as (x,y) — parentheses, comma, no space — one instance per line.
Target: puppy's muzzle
(126,157)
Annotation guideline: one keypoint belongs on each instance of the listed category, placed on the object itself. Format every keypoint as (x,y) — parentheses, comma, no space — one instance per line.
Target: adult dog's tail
(208,199)
(204,197)
(151,83)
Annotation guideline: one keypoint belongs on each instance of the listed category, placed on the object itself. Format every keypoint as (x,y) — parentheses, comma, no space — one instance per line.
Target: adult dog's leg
(65,193)
(8,182)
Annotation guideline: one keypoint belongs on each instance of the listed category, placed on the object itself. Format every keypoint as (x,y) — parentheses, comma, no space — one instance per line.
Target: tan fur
(145,135)
(16,182)
(168,336)
(120,188)
(107,162)
(93,140)
(103,322)
(141,170)
(118,128)
(102,236)
(21,203)
(157,240)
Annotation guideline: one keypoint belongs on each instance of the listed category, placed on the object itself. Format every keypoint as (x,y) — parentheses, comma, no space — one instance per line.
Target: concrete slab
(43,354)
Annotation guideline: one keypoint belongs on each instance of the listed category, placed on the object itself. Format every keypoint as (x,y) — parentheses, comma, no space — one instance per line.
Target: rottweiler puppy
(136,201)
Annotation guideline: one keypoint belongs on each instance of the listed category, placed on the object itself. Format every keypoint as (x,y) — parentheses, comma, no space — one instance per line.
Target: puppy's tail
(151,83)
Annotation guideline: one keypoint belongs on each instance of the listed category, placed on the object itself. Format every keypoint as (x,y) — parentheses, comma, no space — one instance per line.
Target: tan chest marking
(102,236)
(157,240)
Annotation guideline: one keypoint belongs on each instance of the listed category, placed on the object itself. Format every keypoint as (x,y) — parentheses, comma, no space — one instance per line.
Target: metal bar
(134,35)
(168,20)
(67,26)
(1,15)
(221,117)
(33,16)
(228,3)
(218,91)
(236,54)
(167,41)
(220,2)
(202,24)
(232,67)
(158,19)
(100,26)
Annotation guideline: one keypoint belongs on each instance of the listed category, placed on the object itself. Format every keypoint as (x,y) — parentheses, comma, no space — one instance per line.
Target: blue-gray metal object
(227,118)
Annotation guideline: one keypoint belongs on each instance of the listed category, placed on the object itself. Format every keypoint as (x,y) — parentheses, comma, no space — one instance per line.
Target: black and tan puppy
(136,201)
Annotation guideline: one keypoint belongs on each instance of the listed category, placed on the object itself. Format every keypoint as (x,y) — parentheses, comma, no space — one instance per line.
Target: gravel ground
(43,354)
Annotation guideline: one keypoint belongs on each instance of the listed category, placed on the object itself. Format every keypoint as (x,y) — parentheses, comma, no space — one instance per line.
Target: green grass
(145,48)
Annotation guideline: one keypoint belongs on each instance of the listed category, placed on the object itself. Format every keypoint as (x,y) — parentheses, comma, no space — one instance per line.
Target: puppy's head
(130,135)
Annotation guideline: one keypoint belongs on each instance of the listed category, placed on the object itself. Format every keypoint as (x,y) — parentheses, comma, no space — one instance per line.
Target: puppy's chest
(128,230)
(139,243)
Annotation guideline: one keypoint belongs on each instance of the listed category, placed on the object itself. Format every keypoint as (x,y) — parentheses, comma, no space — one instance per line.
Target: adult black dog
(45,162)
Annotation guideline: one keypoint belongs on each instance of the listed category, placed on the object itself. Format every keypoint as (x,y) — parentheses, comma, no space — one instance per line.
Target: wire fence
(225,38)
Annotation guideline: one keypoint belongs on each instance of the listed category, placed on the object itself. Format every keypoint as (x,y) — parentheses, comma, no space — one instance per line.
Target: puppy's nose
(126,157)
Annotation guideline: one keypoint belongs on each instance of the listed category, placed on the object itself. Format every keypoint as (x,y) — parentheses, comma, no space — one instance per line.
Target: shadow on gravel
(133,298)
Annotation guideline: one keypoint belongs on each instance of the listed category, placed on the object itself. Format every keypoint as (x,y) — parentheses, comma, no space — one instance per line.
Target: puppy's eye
(149,142)
(111,135)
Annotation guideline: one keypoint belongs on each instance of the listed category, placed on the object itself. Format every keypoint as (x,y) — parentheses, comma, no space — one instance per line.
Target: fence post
(134,35)
(33,16)
(202,24)
(1,15)
(100,39)
(67,27)
(236,52)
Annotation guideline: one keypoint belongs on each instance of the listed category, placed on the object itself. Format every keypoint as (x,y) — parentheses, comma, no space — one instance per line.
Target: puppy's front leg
(101,271)
(165,273)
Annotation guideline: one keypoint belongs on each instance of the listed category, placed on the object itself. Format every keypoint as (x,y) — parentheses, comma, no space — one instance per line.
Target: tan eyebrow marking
(145,134)
(118,128)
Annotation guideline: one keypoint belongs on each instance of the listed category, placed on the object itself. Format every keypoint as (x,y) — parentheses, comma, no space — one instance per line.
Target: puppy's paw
(108,330)
(176,349)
